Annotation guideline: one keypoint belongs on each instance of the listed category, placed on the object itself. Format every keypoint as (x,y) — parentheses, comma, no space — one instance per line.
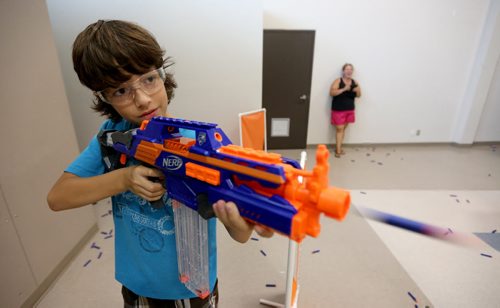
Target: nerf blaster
(264,186)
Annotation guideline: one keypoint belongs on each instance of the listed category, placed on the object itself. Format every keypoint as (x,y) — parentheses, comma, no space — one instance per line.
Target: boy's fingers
(233,215)
(156,173)
(263,231)
(155,198)
(220,211)
(149,172)
(150,179)
(228,214)
(149,195)
(235,220)
(151,188)
(155,187)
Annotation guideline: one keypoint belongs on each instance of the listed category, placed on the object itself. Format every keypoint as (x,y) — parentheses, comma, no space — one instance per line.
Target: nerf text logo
(172,162)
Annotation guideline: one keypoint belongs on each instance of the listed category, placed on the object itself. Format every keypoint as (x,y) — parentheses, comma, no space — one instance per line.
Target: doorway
(286,86)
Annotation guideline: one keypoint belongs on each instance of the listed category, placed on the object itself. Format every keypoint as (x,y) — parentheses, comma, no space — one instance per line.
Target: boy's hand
(138,181)
(239,229)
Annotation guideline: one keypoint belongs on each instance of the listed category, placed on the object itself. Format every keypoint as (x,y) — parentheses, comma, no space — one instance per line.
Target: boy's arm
(71,191)
(239,229)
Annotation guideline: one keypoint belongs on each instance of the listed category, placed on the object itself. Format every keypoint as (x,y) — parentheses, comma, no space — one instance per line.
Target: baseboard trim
(47,282)
(348,145)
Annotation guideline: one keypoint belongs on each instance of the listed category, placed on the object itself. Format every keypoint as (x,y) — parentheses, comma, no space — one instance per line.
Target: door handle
(303,97)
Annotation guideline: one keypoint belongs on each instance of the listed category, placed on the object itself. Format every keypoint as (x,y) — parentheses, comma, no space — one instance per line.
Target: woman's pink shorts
(342,117)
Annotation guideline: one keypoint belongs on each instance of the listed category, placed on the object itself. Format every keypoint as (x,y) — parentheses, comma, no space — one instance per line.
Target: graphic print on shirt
(139,213)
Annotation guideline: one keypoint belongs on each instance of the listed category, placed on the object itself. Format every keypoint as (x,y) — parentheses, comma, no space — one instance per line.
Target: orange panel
(205,174)
(255,155)
(148,152)
(252,130)
(259,174)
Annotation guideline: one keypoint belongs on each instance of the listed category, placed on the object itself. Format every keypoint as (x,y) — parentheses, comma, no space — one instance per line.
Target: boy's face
(141,105)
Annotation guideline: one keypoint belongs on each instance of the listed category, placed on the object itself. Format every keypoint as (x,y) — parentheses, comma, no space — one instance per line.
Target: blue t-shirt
(145,249)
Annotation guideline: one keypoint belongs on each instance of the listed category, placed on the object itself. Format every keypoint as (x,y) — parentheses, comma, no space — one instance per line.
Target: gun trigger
(123,159)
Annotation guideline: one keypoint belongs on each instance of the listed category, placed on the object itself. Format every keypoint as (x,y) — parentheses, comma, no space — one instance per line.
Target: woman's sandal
(337,154)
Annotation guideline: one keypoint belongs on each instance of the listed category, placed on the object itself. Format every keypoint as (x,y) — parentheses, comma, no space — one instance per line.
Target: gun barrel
(334,202)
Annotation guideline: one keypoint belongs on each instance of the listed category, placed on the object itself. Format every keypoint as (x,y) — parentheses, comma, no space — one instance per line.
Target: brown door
(287,71)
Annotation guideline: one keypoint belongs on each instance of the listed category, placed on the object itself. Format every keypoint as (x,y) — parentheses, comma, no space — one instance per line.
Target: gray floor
(358,263)
(415,167)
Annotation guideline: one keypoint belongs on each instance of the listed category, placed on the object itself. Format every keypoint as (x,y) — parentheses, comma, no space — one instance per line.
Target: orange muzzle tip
(334,202)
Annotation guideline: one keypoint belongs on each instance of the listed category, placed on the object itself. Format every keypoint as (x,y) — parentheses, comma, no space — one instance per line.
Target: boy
(124,65)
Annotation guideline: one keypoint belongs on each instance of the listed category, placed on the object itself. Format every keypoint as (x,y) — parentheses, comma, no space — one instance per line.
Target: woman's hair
(346,65)
(107,53)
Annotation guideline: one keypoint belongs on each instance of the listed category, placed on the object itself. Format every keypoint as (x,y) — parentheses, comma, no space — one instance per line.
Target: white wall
(416,61)
(489,125)
(478,85)
(38,141)
(488,81)
(413,60)
(217,47)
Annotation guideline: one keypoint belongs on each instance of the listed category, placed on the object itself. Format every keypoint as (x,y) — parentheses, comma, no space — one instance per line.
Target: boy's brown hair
(107,53)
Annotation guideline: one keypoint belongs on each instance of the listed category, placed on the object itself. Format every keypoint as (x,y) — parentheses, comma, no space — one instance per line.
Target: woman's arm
(334,89)
(357,90)
(71,191)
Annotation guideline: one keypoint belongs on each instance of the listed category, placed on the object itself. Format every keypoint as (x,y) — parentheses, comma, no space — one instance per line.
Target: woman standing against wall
(344,90)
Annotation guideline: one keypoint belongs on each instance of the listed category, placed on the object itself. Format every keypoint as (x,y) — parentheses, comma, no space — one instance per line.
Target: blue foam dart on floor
(492,239)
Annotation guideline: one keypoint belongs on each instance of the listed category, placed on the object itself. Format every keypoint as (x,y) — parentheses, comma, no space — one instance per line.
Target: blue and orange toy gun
(264,186)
